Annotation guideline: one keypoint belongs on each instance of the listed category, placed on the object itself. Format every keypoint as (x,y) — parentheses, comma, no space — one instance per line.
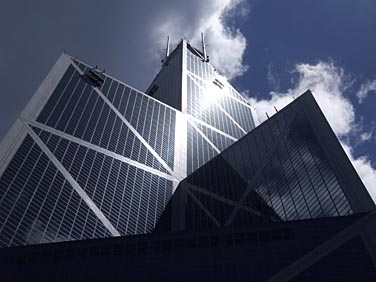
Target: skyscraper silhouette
(91,157)
(219,198)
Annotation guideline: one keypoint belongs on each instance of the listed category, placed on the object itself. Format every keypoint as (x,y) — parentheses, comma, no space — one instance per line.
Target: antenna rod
(203,46)
(168,46)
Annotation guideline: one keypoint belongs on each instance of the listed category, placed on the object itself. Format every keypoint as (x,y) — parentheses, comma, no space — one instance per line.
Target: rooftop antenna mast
(204,47)
(164,60)
(168,46)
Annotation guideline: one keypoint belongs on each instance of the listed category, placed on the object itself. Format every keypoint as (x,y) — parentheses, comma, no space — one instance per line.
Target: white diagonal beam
(230,117)
(222,109)
(101,150)
(261,168)
(73,182)
(192,75)
(222,199)
(131,128)
(204,136)
(194,119)
(208,213)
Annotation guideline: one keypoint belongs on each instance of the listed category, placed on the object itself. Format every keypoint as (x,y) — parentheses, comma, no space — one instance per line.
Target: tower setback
(208,194)
(91,157)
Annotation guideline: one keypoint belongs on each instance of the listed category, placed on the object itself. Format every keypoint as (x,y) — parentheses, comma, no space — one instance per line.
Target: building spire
(204,47)
(168,46)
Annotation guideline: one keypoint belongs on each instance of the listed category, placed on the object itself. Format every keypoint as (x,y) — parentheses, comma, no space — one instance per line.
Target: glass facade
(217,114)
(95,162)
(92,157)
(280,171)
(114,155)
(39,205)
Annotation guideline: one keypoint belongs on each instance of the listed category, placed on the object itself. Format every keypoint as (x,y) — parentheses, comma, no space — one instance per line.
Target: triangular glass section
(219,177)
(196,218)
(48,200)
(83,67)
(117,188)
(202,106)
(296,180)
(199,151)
(260,208)
(219,209)
(115,136)
(238,111)
(234,93)
(219,140)
(76,109)
(153,121)
(198,81)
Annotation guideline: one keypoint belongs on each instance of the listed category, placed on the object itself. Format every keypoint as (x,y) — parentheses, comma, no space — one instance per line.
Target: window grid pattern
(131,198)
(199,68)
(201,106)
(217,208)
(197,216)
(296,180)
(153,120)
(218,177)
(203,70)
(199,151)
(81,112)
(215,105)
(219,140)
(239,112)
(38,205)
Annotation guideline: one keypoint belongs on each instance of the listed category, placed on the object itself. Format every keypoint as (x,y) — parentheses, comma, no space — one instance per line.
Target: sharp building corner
(207,193)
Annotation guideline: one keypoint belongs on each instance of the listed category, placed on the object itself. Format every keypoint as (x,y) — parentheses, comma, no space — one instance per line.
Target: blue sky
(289,43)
(271,49)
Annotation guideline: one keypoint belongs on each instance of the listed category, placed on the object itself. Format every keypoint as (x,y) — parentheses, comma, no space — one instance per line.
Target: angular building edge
(360,199)
(83,251)
(17,132)
(174,217)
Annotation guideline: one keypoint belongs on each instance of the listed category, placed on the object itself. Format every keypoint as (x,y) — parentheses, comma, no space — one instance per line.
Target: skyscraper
(291,167)
(209,195)
(281,204)
(91,157)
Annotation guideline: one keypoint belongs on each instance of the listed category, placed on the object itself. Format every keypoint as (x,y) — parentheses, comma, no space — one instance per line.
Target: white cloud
(328,84)
(365,170)
(273,80)
(366,136)
(226,47)
(226,44)
(365,88)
